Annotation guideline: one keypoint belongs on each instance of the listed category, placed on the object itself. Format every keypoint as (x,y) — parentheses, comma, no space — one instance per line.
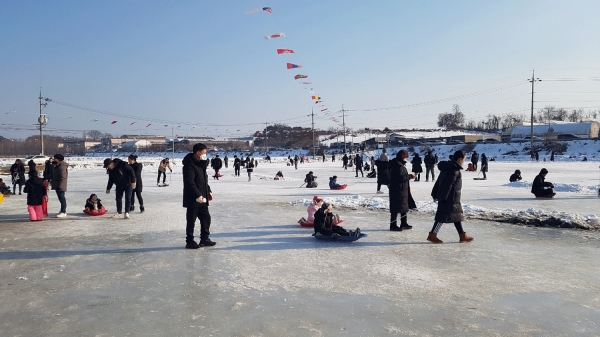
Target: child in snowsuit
(333,183)
(324,223)
(312,209)
(36,192)
(93,204)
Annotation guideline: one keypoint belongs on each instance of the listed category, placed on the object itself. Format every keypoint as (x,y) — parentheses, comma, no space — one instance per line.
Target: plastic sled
(470,167)
(101,211)
(479,178)
(312,224)
(339,188)
(341,238)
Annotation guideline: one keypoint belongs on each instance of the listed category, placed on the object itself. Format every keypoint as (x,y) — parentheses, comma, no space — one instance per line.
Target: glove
(200,200)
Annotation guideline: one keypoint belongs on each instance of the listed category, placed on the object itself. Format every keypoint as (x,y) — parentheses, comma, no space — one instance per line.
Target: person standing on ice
(447,191)
(250,168)
(237,163)
(17,172)
(474,160)
(484,165)
(137,169)
(162,170)
(417,169)
(430,162)
(216,164)
(60,174)
(399,186)
(36,192)
(345,162)
(323,156)
(296,159)
(358,162)
(226,160)
(382,171)
(333,157)
(123,177)
(196,196)
(552,156)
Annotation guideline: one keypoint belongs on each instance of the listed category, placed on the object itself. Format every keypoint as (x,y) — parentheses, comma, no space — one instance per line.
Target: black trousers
(139,196)
(164,175)
(394,219)
(119,198)
(358,168)
(193,213)
(236,171)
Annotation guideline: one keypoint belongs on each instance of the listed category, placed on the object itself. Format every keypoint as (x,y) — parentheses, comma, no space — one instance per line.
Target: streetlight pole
(344,126)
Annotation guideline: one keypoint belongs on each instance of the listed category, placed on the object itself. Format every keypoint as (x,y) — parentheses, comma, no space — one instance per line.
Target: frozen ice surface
(267,276)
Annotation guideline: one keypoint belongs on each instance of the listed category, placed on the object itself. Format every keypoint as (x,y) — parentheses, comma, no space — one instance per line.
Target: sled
(470,168)
(339,188)
(479,178)
(163,185)
(546,197)
(312,224)
(101,211)
(341,238)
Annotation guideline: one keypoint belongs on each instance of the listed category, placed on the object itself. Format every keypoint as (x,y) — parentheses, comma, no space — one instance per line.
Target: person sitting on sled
(470,167)
(541,188)
(3,188)
(93,204)
(324,223)
(333,183)
(310,180)
(312,209)
(515,176)
(278,176)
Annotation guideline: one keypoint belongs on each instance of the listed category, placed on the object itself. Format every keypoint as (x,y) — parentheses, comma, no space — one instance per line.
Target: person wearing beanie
(447,191)
(399,185)
(60,175)
(312,209)
(540,187)
(137,192)
(324,223)
(196,196)
(123,177)
(515,176)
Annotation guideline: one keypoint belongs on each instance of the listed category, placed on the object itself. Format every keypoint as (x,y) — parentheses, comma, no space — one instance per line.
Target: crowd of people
(126,178)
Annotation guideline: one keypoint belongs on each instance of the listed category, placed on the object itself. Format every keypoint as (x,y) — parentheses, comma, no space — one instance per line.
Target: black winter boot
(132,208)
(142,209)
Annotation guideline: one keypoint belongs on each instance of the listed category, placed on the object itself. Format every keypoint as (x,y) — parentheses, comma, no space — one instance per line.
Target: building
(135,145)
(556,130)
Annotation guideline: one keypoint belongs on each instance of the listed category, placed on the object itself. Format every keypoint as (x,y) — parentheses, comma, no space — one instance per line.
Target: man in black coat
(430,161)
(399,191)
(382,174)
(216,164)
(237,163)
(475,160)
(123,177)
(196,196)
(358,162)
(139,185)
(48,169)
(345,162)
(541,188)
(446,191)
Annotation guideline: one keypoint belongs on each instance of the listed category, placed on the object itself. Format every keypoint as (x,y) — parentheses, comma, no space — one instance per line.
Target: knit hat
(543,171)
(316,199)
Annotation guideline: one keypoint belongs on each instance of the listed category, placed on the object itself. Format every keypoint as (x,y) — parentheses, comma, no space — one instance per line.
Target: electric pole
(344,125)
(532,80)
(312,114)
(266,146)
(42,120)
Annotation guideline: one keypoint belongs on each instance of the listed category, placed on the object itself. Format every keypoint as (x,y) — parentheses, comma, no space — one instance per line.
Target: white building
(559,130)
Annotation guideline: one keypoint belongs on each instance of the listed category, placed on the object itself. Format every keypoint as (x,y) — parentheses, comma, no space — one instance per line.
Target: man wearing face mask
(446,191)
(196,196)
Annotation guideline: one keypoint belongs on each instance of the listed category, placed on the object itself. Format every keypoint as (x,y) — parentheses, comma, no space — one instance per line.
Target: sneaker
(142,209)
(126,215)
(192,245)
(118,216)
(207,243)
(132,208)
(61,215)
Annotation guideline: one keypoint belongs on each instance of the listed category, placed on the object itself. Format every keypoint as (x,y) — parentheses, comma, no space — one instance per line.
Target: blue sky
(206,63)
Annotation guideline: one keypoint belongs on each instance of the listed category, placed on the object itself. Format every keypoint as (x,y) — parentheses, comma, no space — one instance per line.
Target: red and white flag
(285,51)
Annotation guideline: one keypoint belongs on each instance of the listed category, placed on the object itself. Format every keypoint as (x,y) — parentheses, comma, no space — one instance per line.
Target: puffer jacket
(447,191)
(323,221)
(121,176)
(195,181)
(35,189)
(60,175)
(399,186)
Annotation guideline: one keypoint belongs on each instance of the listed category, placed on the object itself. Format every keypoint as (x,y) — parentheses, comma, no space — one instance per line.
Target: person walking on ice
(162,170)
(60,175)
(137,169)
(430,161)
(446,191)
(250,165)
(196,196)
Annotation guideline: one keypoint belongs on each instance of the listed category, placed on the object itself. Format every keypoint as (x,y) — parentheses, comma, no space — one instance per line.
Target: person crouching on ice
(541,188)
(278,176)
(333,182)
(324,223)
(515,176)
(93,204)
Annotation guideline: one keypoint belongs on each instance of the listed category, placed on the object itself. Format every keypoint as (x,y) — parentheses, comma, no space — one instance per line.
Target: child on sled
(93,206)
(325,223)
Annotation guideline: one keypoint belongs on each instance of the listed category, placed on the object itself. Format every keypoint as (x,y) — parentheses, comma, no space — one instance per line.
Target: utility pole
(312,114)
(532,80)
(173,142)
(344,125)
(266,138)
(42,120)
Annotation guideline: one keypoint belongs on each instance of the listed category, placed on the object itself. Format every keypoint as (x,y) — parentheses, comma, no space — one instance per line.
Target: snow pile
(530,216)
(558,187)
